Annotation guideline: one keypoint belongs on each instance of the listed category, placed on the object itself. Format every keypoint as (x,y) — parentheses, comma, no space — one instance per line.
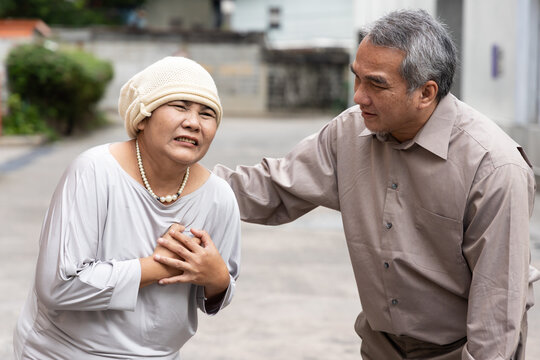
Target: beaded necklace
(166,198)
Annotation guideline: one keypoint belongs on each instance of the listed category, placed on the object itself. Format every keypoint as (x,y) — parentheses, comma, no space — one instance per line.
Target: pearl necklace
(166,198)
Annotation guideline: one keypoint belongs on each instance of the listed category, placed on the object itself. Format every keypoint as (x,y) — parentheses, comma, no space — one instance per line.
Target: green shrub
(24,119)
(65,85)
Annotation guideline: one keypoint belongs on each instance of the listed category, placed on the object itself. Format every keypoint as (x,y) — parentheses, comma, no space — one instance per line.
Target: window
(274,17)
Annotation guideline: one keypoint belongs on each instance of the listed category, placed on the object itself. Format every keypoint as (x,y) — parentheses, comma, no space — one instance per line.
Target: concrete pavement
(296,296)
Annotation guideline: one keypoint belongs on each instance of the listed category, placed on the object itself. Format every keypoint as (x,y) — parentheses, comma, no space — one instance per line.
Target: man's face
(381,91)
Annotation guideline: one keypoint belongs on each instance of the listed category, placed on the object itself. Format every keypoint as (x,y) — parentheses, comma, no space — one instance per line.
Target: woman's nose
(191,120)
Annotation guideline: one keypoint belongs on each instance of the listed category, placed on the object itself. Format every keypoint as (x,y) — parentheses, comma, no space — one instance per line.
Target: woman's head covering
(169,79)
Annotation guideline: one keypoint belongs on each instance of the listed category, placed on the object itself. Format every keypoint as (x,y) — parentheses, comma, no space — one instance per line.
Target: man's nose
(361,97)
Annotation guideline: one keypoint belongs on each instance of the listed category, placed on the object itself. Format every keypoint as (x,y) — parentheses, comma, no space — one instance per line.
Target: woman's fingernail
(157,257)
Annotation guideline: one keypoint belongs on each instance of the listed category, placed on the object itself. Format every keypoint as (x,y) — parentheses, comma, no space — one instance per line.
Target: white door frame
(528,62)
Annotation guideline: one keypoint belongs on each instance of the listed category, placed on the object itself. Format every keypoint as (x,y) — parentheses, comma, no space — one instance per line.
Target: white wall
(366,11)
(488,23)
(527,80)
(303,22)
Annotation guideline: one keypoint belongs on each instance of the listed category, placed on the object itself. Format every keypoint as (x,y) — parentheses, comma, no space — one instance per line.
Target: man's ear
(428,94)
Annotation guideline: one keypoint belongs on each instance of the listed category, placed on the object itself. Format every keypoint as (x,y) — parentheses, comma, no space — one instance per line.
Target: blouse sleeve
(69,274)
(224,229)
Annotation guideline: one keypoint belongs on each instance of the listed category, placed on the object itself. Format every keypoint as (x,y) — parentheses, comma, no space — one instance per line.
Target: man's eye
(180,106)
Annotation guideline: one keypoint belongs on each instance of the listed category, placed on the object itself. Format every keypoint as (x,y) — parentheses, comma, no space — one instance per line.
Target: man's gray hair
(430,53)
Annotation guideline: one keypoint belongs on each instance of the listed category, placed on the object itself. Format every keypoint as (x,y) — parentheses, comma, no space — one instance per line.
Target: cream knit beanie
(171,78)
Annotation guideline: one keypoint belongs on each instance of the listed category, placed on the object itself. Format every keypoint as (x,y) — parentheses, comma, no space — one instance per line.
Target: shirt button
(388,225)
(386,265)
(394,186)
(394,301)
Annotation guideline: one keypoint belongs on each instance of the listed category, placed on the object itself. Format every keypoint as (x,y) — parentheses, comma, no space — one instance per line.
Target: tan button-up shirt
(437,227)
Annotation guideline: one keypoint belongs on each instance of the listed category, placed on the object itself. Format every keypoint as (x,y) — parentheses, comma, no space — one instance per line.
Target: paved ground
(296,295)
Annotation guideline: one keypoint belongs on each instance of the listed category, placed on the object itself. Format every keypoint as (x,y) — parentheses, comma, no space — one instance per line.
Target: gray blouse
(86,302)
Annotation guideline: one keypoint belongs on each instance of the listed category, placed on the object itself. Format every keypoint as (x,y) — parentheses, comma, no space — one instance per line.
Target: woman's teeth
(186,140)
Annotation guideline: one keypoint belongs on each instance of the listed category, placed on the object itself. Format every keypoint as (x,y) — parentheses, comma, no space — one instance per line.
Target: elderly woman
(97,292)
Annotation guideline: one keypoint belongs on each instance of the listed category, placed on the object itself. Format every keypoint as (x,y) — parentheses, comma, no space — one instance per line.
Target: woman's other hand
(151,270)
(198,261)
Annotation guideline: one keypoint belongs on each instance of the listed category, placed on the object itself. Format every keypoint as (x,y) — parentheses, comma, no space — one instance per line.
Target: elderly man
(435,201)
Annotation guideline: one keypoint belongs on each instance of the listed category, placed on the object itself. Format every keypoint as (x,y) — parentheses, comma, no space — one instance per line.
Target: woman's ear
(142,124)
(428,94)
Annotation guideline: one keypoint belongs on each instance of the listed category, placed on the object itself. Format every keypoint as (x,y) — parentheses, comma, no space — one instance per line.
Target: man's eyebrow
(373,78)
(377,79)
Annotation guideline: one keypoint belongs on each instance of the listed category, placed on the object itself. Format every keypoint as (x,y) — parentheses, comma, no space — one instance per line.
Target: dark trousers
(378,345)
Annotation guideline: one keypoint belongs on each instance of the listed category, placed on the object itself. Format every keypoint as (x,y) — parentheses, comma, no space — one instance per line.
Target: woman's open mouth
(185,139)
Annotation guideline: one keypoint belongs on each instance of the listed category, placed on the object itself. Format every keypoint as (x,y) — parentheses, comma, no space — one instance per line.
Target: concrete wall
(185,14)
(250,78)
(239,72)
(234,61)
(307,79)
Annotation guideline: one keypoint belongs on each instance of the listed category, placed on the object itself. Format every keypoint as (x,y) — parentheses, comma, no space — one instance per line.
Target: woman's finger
(174,263)
(176,227)
(173,280)
(189,242)
(203,237)
(176,247)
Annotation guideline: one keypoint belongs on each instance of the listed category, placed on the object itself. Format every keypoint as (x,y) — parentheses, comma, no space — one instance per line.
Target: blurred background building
(288,56)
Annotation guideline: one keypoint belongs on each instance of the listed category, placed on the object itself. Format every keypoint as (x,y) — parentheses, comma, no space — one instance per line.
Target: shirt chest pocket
(437,242)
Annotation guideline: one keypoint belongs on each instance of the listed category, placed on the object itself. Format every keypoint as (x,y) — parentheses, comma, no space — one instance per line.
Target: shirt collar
(434,136)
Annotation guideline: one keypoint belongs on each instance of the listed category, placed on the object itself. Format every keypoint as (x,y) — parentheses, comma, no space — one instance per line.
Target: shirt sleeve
(69,274)
(225,231)
(496,246)
(278,191)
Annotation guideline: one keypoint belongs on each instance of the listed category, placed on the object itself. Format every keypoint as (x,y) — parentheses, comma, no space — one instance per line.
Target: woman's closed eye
(180,106)
(208,114)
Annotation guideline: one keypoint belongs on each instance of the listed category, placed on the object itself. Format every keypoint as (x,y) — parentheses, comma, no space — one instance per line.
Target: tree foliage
(65,85)
(69,12)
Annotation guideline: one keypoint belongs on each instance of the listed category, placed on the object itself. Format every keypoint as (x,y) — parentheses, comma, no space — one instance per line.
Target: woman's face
(180,130)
